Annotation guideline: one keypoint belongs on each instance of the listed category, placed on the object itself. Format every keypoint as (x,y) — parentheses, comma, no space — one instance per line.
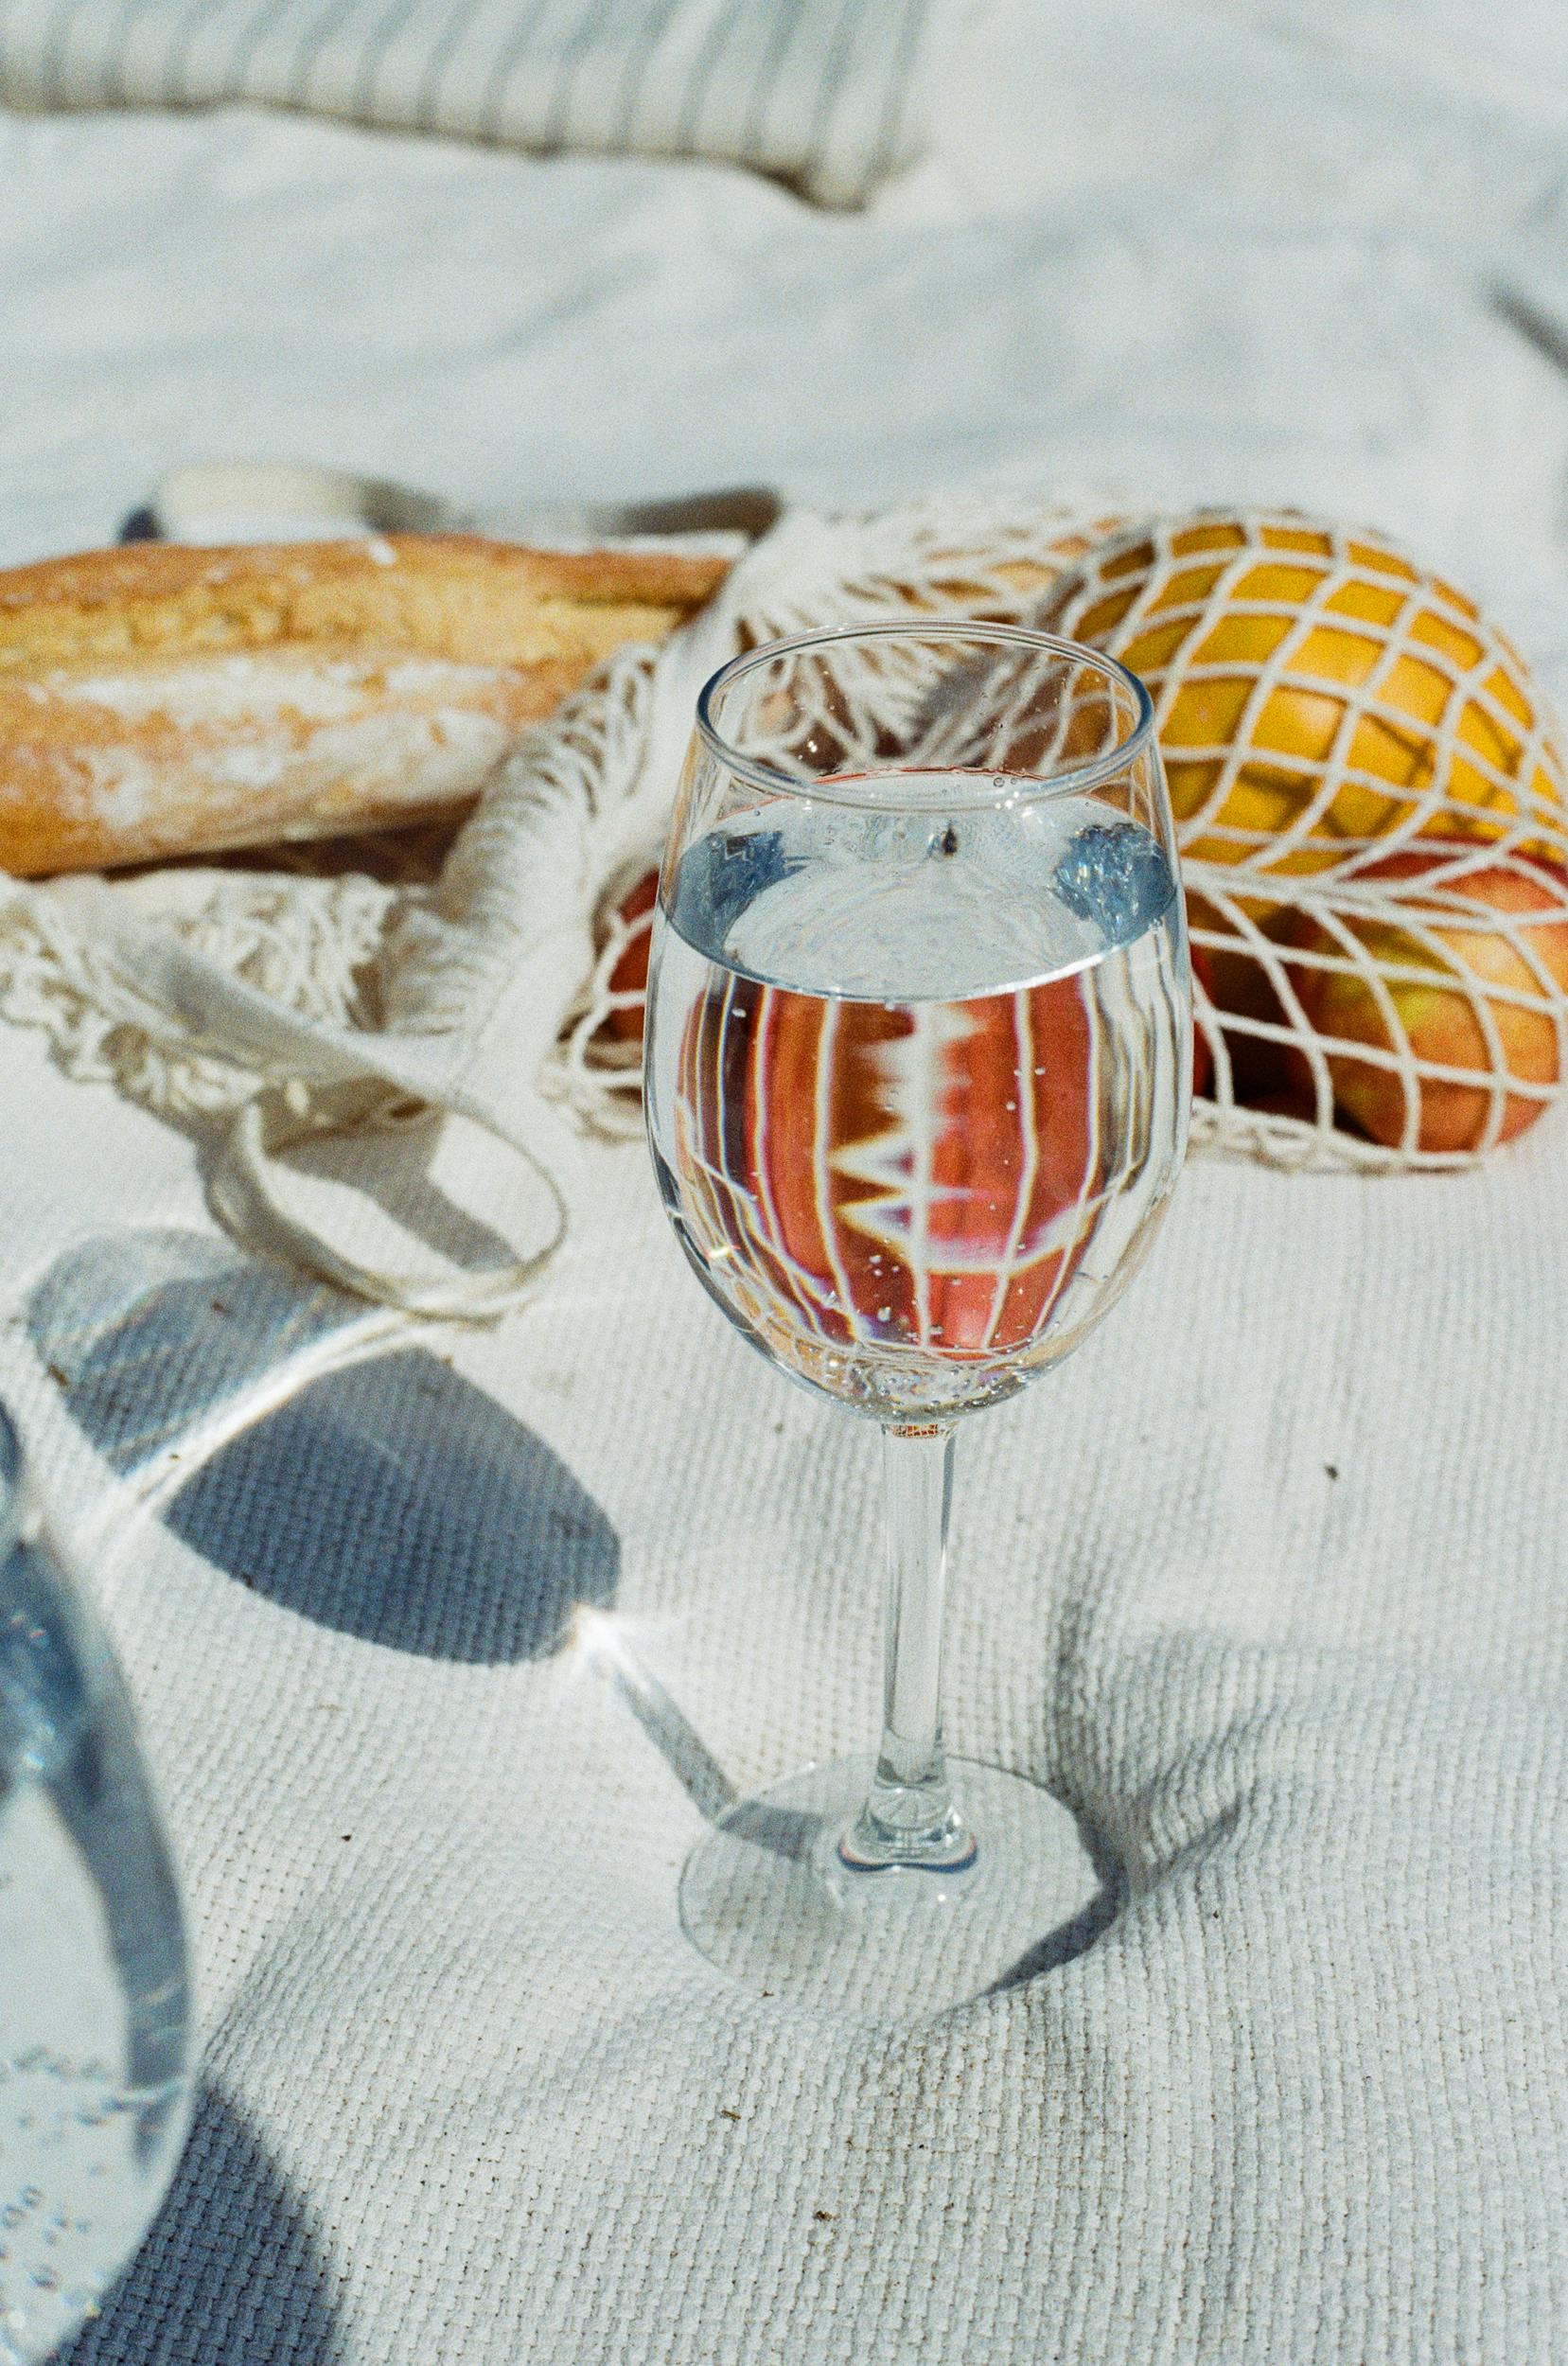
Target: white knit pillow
(828,94)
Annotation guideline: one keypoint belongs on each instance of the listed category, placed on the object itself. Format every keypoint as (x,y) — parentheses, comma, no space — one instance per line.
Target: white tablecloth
(1270,1579)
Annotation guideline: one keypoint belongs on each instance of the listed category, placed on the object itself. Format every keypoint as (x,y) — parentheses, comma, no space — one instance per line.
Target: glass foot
(772,1894)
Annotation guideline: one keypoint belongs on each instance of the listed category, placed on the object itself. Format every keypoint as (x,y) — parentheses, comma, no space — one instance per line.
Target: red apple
(1243,1000)
(1451,963)
(631,972)
(1203,1055)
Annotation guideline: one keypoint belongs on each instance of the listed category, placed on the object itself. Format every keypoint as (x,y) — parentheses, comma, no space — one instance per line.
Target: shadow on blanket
(231,2272)
(766,1826)
(303,1443)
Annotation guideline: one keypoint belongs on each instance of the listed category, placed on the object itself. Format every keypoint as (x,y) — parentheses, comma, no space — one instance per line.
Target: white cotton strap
(287,1211)
(363,1092)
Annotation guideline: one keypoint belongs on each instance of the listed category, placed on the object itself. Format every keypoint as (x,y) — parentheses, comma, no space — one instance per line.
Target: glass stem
(909,1818)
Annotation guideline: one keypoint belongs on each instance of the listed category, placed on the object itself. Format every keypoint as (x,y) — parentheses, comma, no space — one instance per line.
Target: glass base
(770,1896)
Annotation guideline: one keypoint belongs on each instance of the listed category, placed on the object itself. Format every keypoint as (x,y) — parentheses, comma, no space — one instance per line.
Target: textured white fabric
(468,2096)
(1269,1579)
(505,330)
(830,93)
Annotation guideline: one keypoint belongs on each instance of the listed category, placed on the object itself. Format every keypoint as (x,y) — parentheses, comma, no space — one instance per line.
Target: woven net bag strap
(255,1190)
(363,1089)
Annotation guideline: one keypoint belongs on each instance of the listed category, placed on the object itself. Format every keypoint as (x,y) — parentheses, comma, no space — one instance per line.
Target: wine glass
(917,1073)
(95,2025)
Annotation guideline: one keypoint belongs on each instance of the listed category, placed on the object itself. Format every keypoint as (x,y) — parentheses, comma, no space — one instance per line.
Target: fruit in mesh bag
(1319,697)
(1442,1006)
(1315,689)
(627,982)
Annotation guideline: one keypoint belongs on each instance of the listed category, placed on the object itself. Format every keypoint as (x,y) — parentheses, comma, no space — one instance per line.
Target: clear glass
(95,2022)
(917,1073)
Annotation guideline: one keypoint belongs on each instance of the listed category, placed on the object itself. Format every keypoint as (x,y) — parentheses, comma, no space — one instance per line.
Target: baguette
(159,701)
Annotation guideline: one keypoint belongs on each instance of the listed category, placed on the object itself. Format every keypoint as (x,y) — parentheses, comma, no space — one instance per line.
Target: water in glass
(94,2037)
(916,1082)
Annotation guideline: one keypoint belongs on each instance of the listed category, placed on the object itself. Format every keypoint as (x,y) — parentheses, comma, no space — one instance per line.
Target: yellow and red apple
(1469,997)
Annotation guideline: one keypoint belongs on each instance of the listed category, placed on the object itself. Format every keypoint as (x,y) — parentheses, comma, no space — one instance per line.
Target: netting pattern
(1368,789)
(309,944)
(975,557)
(1370,805)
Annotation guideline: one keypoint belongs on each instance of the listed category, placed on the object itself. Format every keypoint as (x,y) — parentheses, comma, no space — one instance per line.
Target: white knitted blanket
(1267,1582)
(1268,1578)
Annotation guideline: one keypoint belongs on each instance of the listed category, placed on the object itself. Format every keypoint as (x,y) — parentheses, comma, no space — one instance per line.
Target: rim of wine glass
(1057,783)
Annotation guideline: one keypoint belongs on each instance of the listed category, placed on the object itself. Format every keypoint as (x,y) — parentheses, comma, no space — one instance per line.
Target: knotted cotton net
(497,978)
(1370,807)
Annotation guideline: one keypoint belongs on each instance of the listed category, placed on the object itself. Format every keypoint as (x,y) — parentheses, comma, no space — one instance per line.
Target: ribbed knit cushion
(829,94)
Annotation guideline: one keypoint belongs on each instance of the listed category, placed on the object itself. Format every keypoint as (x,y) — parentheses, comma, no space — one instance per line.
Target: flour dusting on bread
(161,702)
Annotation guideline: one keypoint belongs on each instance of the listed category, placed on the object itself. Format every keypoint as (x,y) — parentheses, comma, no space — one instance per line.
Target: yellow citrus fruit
(1315,689)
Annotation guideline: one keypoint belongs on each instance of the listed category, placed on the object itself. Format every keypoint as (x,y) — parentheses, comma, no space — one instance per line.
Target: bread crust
(160,700)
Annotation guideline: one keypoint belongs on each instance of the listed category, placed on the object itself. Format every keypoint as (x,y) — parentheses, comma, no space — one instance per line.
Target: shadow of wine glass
(320,1452)
(167,1342)
(793,1833)
(1075,1936)
(784,1830)
(231,2272)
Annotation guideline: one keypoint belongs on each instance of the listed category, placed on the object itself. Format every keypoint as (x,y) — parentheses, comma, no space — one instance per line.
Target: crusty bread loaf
(161,700)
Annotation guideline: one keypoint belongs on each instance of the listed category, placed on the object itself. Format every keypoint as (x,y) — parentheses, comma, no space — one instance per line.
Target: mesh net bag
(1370,796)
(1370,804)
(1371,807)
